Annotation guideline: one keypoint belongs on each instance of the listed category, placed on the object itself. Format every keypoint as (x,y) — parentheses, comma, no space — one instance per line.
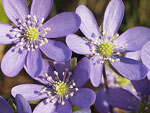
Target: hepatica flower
(31,35)
(60,88)
(107,45)
(22,105)
(139,103)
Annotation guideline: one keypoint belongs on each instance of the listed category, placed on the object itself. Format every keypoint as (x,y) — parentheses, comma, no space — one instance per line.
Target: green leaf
(34,102)
(75,108)
(13,106)
(73,63)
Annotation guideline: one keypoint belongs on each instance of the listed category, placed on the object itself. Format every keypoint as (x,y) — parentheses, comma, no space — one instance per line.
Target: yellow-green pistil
(106,48)
(60,88)
(31,33)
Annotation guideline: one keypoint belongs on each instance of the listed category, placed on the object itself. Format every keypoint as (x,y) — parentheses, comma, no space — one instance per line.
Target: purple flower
(124,99)
(107,44)
(22,105)
(60,89)
(31,36)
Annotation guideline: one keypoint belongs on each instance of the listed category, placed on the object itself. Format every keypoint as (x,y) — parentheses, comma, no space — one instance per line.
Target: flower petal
(47,68)
(145,54)
(66,108)
(130,69)
(89,26)
(136,55)
(33,63)
(100,103)
(6,35)
(96,71)
(41,8)
(83,98)
(142,87)
(4,106)
(113,17)
(124,99)
(45,108)
(81,72)
(86,110)
(15,9)
(78,45)
(13,61)
(22,105)
(30,92)
(61,67)
(56,50)
(62,24)
(135,38)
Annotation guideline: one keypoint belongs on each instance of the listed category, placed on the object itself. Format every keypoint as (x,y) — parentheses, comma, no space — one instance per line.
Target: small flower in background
(124,99)
(60,88)
(31,34)
(107,45)
(22,105)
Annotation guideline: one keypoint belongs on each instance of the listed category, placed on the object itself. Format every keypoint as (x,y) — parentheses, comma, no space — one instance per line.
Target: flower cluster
(119,64)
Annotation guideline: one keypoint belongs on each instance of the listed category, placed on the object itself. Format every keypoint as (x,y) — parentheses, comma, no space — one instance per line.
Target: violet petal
(134,37)
(56,50)
(33,63)
(13,61)
(78,45)
(62,24)
(22,104)
(66,108)
(113,17)
(124,99)
(130,69)
(45,108)
(47,69)
(41,8)
(83,98)
(142,87)
(81,72)
(89,26)
(145,54)
(15,10)
(4,106)
(96,71)
(30,92)
(6,35)
(100,103)
(61,67)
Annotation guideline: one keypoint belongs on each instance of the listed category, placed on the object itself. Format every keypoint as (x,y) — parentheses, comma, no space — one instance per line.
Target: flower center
(57,89)
(60,88)
(106,48)
(31,33)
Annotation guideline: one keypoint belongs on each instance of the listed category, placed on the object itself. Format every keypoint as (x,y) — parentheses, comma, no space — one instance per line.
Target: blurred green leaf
(3,17)
(13,106)
(73,63)
(34,102)
(75,108)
